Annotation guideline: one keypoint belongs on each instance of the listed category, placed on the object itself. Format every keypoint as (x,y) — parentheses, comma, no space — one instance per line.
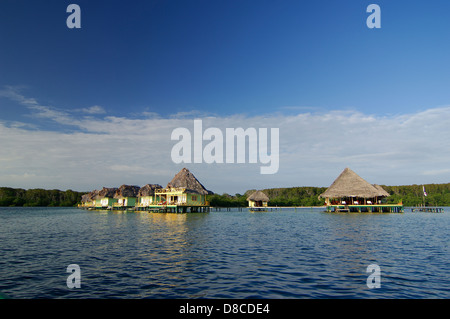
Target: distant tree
(38,197)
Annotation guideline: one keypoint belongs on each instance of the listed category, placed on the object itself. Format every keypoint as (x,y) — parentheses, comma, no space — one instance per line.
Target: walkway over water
(382,208)
(428,209)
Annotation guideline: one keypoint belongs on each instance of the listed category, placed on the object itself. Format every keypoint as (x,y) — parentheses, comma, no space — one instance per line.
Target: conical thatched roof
(148,190)
(350,184)
(187,180)
(106,192)
(127,191)
(258,196)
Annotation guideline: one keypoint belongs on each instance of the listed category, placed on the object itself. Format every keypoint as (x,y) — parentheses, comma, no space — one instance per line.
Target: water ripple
(288,254)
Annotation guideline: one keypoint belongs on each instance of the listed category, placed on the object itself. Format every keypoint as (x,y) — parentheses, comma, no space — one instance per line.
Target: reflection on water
(302,253)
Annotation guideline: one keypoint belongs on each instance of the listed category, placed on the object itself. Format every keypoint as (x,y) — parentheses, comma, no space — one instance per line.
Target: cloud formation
(314,148)
(95,109)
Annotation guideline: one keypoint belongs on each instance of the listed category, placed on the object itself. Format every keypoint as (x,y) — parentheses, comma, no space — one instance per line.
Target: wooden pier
(178,209)
(258,209)
(382,208)
(427,209)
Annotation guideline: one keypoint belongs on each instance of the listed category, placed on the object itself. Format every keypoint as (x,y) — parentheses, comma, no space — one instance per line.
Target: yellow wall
(252,204)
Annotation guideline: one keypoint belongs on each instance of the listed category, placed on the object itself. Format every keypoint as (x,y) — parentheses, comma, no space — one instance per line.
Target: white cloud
(95,109)
(37,110)
(314,149)
(50,113)
(12,93)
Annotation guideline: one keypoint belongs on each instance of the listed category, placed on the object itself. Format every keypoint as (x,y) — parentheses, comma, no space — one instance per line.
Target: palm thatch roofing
(89,196)
(149,190)
(185,179)
(350,184)
(106,192)
(127,191)
(381,190)
(258,196)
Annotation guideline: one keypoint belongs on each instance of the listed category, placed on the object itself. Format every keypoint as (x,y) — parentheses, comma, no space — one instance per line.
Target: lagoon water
(302,253)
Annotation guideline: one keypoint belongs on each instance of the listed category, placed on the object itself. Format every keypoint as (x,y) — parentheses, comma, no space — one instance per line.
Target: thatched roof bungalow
(258,199)
(147,195)
(126,195)
(106,192)
(105,197)
(185,179)
(148,190)
(349,188)
(184,189)
(88,200)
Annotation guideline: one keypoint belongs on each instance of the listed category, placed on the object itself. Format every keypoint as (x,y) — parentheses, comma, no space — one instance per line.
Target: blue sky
(161,61)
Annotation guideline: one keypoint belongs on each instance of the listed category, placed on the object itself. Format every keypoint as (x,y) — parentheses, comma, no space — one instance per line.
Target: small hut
(105,197)
(257,199)
(126,196)
(85,198)
(147,195)
(88,200)
(349,192)
(184,190)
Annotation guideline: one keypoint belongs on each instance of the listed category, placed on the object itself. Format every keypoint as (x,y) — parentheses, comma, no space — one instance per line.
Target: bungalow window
(194,198)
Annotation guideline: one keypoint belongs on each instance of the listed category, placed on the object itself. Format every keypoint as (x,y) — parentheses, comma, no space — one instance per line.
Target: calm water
(290,254)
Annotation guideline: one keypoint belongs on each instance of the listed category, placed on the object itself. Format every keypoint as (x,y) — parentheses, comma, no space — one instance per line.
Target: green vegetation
(411,195)
(38,197)
(294,196)
(227,200)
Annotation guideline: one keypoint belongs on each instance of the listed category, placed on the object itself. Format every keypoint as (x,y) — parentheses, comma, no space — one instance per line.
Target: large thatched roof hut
(350,188)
